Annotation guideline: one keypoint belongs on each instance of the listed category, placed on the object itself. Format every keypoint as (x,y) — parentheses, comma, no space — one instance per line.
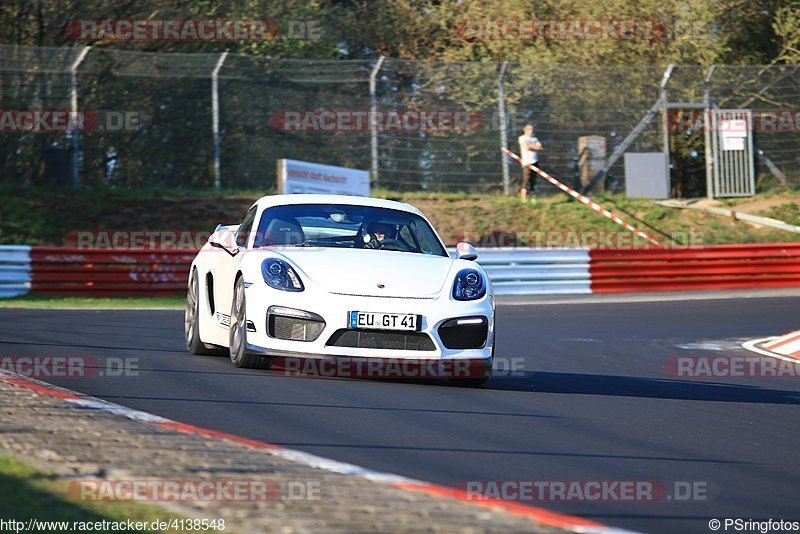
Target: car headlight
(469,285)
(280,275)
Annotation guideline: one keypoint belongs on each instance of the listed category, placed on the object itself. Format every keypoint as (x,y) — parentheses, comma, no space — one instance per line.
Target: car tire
(477,381)
(191,320)
(237,335)
(468,382)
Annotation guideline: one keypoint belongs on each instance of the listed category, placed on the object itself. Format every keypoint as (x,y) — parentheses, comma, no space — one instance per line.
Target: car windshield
(346,226)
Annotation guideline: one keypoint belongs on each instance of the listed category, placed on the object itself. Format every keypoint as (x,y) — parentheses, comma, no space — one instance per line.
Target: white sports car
(327,276)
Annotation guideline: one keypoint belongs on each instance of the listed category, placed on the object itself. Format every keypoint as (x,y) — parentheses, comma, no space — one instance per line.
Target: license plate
(384,321)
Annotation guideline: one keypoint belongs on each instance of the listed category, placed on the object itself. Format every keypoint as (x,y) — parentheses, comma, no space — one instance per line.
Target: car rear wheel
(237,335)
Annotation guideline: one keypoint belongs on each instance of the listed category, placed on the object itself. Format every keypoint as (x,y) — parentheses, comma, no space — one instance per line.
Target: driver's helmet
(382,230)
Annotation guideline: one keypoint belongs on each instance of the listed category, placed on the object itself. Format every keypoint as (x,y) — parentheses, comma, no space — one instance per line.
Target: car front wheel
(192,320)
(237,336)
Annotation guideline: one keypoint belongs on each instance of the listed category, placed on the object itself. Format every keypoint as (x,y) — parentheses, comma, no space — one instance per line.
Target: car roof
(283,200)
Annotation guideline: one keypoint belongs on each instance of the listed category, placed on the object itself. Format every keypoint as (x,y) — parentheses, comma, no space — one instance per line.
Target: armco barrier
(513,271)
(695,268)
(521,271)
(15,270)
(113,272)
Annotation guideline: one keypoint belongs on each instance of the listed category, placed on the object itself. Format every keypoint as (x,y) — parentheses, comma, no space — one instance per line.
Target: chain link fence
(153,118)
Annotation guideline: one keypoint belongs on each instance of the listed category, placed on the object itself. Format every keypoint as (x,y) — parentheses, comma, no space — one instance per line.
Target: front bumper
(334,310)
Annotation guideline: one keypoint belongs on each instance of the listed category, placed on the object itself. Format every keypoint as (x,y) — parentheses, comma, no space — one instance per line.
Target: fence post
(665,124)
(215,118)
(373,124)
(707,133)
(501,110)
(73,133)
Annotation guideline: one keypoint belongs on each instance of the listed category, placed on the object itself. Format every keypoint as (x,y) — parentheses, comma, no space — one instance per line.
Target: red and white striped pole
(586,200)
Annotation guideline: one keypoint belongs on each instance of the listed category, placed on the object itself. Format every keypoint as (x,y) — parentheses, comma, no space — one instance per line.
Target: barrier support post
(373,123)
(73,133)
(707,133)
(665,124)
(501,110)
(215,119)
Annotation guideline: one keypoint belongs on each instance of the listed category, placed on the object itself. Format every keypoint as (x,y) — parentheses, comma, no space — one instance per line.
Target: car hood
(361,272)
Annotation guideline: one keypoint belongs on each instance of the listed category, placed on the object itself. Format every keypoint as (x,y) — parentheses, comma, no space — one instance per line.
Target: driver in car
(377,232)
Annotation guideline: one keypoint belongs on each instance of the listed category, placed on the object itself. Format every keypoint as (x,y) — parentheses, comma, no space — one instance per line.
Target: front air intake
(464,333)
(381,340)
(294,325)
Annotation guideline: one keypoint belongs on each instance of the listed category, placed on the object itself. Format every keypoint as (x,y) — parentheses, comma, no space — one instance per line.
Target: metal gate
(732,165)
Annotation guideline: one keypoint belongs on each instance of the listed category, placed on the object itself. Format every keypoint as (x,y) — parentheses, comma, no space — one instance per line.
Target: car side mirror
(465,251)
(233,252)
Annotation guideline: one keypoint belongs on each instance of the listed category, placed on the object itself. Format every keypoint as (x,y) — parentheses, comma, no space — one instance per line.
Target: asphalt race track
(594,402)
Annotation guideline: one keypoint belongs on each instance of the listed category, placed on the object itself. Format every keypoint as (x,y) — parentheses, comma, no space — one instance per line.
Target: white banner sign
(304,177)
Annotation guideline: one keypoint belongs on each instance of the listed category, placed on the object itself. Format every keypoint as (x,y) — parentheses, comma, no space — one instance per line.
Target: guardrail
(513,271)
(695,268)
(520,271)
(15,270)
(109,273)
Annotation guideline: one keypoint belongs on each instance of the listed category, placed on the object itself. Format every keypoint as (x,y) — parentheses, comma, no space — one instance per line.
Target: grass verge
(28,494)
(43,216)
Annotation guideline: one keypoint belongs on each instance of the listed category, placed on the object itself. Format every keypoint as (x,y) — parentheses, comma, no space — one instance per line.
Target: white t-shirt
(526,144)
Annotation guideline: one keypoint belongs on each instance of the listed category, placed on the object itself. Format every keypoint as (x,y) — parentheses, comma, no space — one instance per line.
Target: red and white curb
(785,347)
(538,515)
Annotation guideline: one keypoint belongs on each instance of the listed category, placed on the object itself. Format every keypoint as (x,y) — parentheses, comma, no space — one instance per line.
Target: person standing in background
(529,147)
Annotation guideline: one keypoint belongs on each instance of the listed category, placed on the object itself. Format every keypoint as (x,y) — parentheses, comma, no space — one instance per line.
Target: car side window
(243,233)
